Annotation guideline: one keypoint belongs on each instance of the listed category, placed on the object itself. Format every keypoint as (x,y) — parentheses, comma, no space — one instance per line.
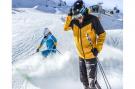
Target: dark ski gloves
(94,51)
(37,50)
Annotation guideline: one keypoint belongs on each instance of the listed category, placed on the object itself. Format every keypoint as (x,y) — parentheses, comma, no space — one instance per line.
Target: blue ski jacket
(50,41)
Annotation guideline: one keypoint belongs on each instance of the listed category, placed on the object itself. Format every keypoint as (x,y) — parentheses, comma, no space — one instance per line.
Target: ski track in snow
(61,71)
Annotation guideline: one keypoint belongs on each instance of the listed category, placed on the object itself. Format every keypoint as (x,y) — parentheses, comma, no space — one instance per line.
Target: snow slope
(33,3)
(60,71)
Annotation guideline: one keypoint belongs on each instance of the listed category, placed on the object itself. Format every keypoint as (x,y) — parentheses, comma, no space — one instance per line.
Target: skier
(50,41)
(84,26)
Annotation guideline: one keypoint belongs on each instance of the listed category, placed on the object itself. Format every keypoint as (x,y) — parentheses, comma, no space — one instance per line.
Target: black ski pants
(88,70)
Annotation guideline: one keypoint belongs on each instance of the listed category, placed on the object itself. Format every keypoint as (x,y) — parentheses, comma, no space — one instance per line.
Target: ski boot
(86,87)
(93,88)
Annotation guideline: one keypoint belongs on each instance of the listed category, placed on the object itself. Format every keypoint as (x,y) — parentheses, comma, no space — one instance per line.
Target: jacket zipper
(81,43)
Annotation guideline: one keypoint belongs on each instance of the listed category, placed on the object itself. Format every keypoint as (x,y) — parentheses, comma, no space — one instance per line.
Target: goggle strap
(82,10)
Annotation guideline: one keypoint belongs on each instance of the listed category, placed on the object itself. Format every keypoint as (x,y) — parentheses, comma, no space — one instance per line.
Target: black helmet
(78,7)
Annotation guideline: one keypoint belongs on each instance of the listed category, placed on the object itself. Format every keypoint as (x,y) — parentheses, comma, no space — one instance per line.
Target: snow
(59,71)
(33,3)
(107,4)
(111,22)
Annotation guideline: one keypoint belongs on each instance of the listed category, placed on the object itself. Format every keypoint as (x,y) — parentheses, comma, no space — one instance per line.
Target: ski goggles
(78,16)
(80,13)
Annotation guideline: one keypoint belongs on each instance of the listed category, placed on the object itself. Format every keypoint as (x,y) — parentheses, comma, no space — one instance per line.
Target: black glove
(70,12)
(94,51)
(37,50)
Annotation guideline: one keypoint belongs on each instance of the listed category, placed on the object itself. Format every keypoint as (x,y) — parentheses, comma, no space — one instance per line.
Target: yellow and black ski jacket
(92,27)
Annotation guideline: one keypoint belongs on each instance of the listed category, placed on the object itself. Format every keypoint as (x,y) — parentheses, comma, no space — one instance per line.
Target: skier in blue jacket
(50,41)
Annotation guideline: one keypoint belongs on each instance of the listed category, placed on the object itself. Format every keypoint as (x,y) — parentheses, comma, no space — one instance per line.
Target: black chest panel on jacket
(89,19)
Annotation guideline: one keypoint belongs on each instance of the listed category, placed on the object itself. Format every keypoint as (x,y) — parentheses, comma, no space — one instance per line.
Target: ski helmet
(46,31)
(78,7)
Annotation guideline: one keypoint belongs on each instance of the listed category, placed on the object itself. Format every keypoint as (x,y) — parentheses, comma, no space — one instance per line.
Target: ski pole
(59,51)
(104,75)
(100,66)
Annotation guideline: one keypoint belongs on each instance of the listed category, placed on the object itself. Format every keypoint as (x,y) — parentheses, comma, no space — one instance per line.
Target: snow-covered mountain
(59,71)
(107,4)
(33,3)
